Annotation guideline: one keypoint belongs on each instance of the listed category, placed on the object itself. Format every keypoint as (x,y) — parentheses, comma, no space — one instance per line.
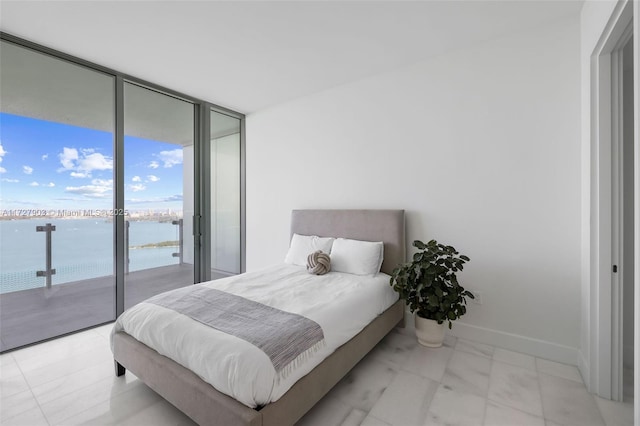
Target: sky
(47,165)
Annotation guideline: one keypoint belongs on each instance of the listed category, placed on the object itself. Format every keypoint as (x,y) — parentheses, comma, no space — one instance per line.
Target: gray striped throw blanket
(286,338)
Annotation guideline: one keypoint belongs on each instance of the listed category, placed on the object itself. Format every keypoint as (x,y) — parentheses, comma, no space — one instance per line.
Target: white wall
(480,146)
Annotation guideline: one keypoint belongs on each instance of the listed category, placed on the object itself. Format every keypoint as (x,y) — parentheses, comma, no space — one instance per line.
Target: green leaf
(429,284)
(419,244)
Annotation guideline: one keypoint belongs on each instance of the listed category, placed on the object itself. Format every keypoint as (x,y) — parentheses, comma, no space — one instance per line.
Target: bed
(207,406)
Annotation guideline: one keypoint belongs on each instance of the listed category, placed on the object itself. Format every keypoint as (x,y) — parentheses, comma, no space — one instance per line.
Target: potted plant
(430,288)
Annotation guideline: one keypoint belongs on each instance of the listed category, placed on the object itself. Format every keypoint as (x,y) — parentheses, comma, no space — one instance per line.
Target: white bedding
(342,304)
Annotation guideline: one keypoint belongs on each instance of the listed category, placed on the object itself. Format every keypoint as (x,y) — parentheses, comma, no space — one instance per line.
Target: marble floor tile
(33,417)
(474,348)
(104,330)
(12,385)
(372,421)
(330,411)
(615,413)
(502,415)
(10,370)
(355,418)
(406,400)
(73,382)
(58,409)
(63,353)
(428,362)
(114,411)
(409,329)
(557,369)
(162,413)
(362,387)
(6,359)
(58,349)
(395,348)
(72,364)
(17,404)
(515,387)
(515,358)
(567,402)
(98,415)
(468,373)
(450,341)
(452,408)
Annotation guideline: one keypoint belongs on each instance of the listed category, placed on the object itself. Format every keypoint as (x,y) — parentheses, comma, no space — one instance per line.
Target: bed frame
(206,406)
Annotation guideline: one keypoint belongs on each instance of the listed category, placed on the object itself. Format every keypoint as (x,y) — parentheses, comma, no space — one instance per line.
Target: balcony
(33,315)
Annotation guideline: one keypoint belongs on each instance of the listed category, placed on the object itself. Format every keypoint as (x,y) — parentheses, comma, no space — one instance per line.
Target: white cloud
(2,152)
(79,174)
(3,170)
(152,178)
(136,179)
(82,164)
(168,199)
(154,165)
(91,191)
(68,157)
(137,187)
(50,185)
(95,161)
(27,170)
(171,158)
(34,184)
(103,182)
(44,157)
(10,180)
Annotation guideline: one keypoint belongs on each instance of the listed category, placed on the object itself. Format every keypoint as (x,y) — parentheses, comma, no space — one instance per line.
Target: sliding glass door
(158,192)
(56,169)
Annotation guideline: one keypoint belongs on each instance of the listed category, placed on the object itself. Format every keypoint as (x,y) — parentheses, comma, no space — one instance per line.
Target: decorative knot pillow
(318,263)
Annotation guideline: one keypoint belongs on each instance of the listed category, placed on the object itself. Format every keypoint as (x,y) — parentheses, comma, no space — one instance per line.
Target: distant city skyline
(47,165)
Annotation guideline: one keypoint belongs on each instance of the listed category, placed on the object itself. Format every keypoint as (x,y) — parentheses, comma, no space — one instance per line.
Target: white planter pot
(429,332)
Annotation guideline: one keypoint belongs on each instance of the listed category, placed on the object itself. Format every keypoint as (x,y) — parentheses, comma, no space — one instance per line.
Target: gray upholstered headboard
(366,225)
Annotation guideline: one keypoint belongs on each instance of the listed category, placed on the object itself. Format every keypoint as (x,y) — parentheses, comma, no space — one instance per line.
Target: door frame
(605,375)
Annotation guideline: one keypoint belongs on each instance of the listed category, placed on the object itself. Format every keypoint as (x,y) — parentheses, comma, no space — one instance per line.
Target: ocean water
(81,249)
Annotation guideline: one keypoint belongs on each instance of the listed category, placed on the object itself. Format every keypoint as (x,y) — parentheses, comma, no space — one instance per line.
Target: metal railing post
(180,240)
(48,272)
(126,247)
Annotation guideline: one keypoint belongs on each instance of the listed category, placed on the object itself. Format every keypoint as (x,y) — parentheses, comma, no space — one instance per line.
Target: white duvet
(342,304)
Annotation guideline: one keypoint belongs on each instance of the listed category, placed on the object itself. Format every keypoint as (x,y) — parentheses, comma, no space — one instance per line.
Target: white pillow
(303,245)
(356,257)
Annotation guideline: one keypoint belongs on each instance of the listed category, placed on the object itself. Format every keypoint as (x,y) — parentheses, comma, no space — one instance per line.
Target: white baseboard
(583,366)
(514,342)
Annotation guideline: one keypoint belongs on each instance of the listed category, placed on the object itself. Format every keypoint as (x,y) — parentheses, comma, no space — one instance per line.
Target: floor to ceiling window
(99,194)
(56,234)
(225,194)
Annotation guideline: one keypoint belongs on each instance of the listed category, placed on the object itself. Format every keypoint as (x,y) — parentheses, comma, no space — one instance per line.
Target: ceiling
(247,56)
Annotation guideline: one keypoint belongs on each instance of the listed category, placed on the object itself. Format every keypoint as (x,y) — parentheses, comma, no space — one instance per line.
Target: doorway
(611,373)
(626,221)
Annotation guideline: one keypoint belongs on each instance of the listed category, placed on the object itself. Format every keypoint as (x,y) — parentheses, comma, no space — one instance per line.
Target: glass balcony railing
(38,254)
